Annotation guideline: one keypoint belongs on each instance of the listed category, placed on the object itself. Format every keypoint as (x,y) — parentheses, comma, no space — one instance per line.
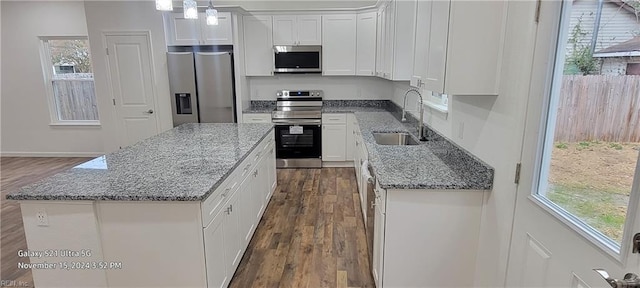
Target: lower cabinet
(245,209)
(232,236)
(444,229)
(217,271)
(334,137)
(229,233)
(272,169)
(378,243)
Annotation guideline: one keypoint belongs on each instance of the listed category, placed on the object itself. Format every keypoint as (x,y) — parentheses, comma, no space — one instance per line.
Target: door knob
(629,280)
(149,112)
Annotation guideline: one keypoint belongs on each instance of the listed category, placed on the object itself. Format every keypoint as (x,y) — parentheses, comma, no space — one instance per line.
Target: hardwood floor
(16,172)
(311,235)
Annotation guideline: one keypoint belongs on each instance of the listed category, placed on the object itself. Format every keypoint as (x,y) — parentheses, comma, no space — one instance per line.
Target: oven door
(298,141)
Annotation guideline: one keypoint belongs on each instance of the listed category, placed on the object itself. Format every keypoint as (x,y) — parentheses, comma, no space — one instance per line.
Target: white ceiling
(292,4)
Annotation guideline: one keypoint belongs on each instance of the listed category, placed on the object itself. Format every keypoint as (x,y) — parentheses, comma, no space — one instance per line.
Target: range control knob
(278,93)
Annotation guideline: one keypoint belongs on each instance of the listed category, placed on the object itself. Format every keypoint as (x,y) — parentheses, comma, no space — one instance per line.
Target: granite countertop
(434,164)
(186,163)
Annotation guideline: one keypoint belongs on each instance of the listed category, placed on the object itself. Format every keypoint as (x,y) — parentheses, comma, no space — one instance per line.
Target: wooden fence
(75,99)
(599,107)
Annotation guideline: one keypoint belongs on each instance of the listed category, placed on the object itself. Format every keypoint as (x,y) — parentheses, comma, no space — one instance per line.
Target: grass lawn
(593,180)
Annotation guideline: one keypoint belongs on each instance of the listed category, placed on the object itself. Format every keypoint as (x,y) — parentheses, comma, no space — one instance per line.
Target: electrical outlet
(461,130)
(42,218)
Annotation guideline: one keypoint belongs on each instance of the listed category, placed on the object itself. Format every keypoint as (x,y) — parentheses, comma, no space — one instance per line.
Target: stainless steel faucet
(420,110)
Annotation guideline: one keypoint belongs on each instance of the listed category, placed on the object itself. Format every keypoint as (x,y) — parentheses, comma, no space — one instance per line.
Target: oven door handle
(296,121)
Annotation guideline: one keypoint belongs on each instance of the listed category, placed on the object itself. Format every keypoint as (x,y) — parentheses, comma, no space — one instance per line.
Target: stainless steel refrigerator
(201,86)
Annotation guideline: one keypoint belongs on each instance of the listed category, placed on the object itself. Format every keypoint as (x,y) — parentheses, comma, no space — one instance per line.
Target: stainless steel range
(298,120)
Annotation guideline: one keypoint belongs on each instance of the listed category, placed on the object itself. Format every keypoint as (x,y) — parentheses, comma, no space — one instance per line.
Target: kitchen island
(175,210)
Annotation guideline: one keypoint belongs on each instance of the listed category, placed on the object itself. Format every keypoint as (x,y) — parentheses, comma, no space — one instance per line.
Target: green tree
(581,60)
(74,52)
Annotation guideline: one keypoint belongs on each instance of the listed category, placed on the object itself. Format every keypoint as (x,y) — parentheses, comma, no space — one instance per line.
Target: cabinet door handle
(255,173)
(226,191)
(230,208)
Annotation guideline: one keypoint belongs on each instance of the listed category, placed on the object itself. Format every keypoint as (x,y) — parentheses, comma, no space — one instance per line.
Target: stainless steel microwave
(297,59)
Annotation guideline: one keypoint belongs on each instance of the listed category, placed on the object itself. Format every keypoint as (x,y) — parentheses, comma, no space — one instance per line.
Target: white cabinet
(442,249)
(258,45)
(256,118)
(443,59)
(297,30)
(271,170)
(229,233)
(366,44)
(217,275)
(181,31)
(245,210)
(380,42)
(351,138)
(378,242)
(232,235)
(220,34)
(334,137)
(395,40)
(339,44)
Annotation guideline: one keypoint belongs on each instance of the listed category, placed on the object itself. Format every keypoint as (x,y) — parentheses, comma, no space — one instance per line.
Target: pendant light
(190,9)
(212,15)
(164,5)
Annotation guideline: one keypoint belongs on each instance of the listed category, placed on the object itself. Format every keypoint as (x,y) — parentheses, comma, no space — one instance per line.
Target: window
(633,69)
(590,148)
(69,81)
(437,101)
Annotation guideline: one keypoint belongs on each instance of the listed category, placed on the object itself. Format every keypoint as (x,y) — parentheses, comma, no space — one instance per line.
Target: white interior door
(577,198)
(132,86)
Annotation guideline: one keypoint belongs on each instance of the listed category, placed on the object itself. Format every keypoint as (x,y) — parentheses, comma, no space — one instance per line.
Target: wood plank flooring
(311,235)
(16,172)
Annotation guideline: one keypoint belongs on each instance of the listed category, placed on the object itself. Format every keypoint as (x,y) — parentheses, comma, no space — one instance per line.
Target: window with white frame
(589,152)
(68,75)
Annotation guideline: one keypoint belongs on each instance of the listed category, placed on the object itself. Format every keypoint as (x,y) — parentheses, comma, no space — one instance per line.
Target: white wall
(127,16)
(492,131)
(25,115)
(335,88)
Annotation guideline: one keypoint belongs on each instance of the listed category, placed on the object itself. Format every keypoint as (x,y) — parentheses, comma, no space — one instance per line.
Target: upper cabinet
(180,31)
(339,44)
(458,46)
(297,30)
(395,39)
(258,45)
(366,44)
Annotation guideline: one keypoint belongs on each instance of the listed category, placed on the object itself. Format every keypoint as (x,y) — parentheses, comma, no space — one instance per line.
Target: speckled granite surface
(433,164)
(186,163)
(260,106)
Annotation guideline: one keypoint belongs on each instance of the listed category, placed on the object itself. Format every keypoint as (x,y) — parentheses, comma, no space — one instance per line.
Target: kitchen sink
(398,138)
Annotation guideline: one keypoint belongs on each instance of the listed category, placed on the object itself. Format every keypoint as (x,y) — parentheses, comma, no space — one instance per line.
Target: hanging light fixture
(212,15)
(164,5)
(190,9)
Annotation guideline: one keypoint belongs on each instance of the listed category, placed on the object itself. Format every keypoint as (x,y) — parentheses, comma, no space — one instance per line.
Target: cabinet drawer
(256,118)
(330,118)
(212,205)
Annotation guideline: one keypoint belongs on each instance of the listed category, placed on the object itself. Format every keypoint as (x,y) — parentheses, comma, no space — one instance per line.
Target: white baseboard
(337,164)
(50,154)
